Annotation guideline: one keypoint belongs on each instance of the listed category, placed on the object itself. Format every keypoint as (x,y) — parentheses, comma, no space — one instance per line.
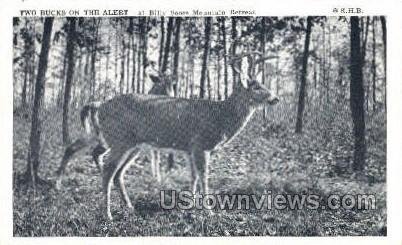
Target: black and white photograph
(199,126)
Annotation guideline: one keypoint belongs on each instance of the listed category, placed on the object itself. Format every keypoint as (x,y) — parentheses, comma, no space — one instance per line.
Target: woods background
(327,135)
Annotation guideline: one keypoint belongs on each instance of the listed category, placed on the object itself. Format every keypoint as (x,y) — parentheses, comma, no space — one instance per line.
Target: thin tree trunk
(329,65)
(176,47)
(363,54)
(167,45)
(144,52)
(208,21)
(128,66)
(324,67)
(209,85)
(63,78)
(384,40)
(134,64)
(107,68)
(374,66)
(116,57)
(140,40)
(24,86)
(27,52)
(192,78)
(161,43)
(33,64)
(122,59)
(218,68)
(357,96)
(93,58)
(365,35)
(77,79)
(36,127)
(278,76)
(234,44)
(302,92)
(86,70)
(69,79)
(225,63)
(263,37)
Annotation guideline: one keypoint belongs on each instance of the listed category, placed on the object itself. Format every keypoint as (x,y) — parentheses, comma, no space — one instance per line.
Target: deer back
(168,122)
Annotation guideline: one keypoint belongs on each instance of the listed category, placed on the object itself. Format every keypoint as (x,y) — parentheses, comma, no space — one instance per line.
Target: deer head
(253,91)
(162,85)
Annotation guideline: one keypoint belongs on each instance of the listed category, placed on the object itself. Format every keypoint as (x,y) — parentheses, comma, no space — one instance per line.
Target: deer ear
(243,84)
(155,79)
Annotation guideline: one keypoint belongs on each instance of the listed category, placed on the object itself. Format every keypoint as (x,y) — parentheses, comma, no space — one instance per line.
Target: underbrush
(267,157)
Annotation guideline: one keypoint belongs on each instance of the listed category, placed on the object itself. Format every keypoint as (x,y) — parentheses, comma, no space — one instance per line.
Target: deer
(131,123)
(162,85)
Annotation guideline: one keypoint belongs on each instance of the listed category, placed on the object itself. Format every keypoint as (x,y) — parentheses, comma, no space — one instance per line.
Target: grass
(267,156)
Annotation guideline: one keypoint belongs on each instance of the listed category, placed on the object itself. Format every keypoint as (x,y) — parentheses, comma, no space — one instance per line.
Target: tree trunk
(24,86)
(86,71)
(234,44)
(167,45)
(116,57)
(34,139)
(384,40)
(363,54)
(263,37)
(133,69)
(128,66)
(93,58)
(324,66)
(161,43)
(139,53)
(32,64)
(278,72)
(329,77)
(140,40)
(144,51)
(365,35)
(374,66)
(218,66)
(62,79)
(107,68)
(302,92)
(225,63)
(176,47)
(357,96)
(122,59)
(69,79)
(209,85)
(208,21)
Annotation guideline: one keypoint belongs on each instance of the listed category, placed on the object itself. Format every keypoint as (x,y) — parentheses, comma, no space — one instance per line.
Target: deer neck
(239,111)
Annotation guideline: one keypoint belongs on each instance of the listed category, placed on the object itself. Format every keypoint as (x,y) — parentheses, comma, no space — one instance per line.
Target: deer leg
(116,159)
(155,164)
(120,176)
(70,151)
(170,161)
(98,154)
(194,174)
(204,177)
(201,163)
(158,166)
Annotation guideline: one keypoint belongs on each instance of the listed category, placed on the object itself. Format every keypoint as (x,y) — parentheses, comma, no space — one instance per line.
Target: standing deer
(161,86)
(131,123)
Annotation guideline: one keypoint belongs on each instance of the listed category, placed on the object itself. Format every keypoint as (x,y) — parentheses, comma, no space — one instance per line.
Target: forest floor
(266,156)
